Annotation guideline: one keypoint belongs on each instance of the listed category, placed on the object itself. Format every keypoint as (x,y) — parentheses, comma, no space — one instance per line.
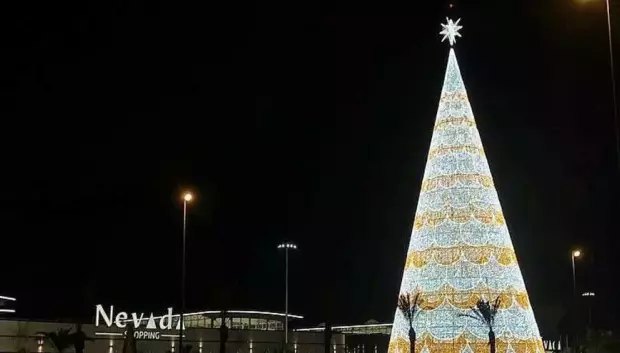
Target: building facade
(248,332)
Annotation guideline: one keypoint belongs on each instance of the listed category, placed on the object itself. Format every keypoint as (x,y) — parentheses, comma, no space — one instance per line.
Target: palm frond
(496,305)
(485,312)
(404,305)
(409,305)
(417,302)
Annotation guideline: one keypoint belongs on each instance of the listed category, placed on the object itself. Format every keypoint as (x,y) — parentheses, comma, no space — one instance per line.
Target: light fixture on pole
(187,198)
(286,246)
(574,254)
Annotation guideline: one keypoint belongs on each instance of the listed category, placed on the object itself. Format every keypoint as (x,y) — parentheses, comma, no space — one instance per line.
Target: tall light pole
(187,198)
(613,81)
(574,254)
(286,246)
(589,297)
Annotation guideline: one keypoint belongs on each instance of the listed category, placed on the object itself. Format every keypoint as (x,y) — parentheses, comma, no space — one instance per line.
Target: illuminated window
(237,324)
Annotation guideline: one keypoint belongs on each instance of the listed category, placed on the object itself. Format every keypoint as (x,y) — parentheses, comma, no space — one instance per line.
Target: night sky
(292,120)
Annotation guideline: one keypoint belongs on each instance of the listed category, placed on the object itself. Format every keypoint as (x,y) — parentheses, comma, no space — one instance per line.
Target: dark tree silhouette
(78,339)
(328,337)
(409,305)
(129,344)
(485,313)
(61,340)
(223,333)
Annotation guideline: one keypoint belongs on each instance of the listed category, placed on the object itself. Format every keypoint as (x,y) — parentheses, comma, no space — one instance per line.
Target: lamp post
(574,254)
(613,81)
(589,297)
(187,198)
(286,246)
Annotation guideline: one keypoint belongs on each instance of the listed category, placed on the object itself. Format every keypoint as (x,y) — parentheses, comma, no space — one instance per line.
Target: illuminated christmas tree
(461,264)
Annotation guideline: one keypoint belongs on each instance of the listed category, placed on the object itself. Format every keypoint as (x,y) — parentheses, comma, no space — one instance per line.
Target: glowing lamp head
(187,197)
(287,245)
(576,253)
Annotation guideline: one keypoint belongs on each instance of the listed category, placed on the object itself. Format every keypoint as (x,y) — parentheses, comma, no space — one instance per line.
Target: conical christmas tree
(462,289)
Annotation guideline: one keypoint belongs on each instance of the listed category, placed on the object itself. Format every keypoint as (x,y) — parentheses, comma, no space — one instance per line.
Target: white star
(451,30)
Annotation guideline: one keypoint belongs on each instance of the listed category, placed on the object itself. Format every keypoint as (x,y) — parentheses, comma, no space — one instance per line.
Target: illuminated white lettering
(136,321)
(151,323)
(165,323)
(107,319)
(153,335)
(121,319)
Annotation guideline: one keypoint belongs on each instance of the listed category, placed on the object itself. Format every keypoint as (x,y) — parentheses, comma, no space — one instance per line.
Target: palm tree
(485,313)
(223,332)
(409,305)
(78,339)
(60,339)
(129,344)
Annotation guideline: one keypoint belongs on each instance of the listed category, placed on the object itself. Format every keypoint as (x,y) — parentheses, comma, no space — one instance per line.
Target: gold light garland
(448,181)
(463,341)
(459,215)
(467,299)
(451,149)
(444,123)
(450,255)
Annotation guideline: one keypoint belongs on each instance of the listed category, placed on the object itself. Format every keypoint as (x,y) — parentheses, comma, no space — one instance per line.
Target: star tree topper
(450,30)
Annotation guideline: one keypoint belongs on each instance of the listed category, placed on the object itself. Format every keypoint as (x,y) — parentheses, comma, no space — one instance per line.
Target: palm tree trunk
(492,340)
(412,339)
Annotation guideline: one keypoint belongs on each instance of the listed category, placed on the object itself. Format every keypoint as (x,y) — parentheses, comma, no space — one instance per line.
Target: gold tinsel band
(449,256)
(444,123)
(491,216)
(460,344)
(446,150)
(448,181)
(467,299)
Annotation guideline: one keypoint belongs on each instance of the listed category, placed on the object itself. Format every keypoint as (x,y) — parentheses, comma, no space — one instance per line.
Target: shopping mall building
(249,332)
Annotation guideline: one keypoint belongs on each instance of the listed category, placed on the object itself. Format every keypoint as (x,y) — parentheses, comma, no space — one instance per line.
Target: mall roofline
(344,327)
(242,312)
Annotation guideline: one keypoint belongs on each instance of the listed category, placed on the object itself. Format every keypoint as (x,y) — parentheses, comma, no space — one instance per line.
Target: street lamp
(286,246)
(187,198)
(574,254)
(589,296)
(613,81)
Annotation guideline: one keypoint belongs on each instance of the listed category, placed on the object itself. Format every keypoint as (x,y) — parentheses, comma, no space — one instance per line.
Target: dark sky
(302,120)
